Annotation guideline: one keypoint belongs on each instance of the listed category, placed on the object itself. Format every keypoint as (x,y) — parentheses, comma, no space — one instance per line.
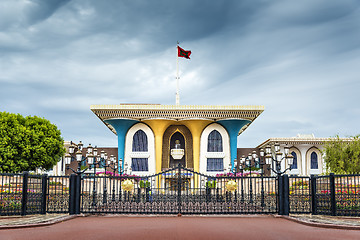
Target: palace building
(305,148)
(154,137)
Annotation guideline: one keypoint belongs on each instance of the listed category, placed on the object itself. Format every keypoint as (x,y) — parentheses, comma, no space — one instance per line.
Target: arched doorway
(177,150)
(185,141)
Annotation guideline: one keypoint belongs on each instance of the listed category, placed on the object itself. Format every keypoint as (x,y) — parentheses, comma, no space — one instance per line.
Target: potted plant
(144,184)
(211,184)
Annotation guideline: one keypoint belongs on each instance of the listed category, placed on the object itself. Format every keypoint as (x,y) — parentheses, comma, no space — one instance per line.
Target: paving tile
(335,220)
(33,219)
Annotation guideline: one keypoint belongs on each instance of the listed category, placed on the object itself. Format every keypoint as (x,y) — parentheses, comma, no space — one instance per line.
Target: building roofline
(141,112)
(177,107)
(297,140)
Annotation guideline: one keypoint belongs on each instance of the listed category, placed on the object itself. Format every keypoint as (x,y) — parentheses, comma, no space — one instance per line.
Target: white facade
(307,150)
(150,154)
(204,154)
(303,157)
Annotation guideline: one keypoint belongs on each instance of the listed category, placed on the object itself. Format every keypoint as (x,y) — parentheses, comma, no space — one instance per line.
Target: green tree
(28,143)
(343,156)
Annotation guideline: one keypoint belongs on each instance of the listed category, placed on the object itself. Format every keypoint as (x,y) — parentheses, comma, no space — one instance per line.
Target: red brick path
(224,228)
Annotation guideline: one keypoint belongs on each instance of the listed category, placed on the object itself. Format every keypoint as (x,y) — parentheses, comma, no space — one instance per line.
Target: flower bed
(245,174)
(10,202)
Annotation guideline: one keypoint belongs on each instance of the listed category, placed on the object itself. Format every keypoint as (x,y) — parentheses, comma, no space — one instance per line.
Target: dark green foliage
(252,169)
(211,184)
(343,156)
(144,184)
(28,143)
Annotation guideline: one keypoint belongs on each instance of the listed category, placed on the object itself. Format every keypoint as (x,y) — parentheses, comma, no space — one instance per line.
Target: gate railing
(57,194)
(336,195)
(300,196)
(179,190)
(22,194)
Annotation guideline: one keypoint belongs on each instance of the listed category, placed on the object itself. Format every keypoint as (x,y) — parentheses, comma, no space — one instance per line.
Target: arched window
(294,166)
(215,142)
(215,145)
(314,161)
(140,142)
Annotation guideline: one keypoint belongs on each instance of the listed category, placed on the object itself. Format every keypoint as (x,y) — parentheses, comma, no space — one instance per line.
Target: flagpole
(177,77)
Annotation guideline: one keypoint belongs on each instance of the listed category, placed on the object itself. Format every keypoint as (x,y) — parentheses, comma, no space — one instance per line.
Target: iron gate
(22,194)
(179,190)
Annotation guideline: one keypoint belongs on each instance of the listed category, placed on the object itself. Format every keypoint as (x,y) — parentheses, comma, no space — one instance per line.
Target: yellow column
(158,127)
(196,127)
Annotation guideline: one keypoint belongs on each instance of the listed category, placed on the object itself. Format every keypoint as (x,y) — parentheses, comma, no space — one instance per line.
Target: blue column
(121,126)
(233,127)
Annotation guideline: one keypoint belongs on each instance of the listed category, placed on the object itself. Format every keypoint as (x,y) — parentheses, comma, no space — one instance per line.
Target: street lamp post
(103,161)
(262,163)
(92,156)
(97,160)
(79,158)
(248,162)
(266,157)
(277,157)
(75,179)
(239,168)
(94,160)
(251,161)
(112,164)
(115,168)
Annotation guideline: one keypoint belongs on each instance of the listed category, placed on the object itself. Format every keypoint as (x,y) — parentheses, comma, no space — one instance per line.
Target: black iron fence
(300,196)
(57,194)
(22,194)
(179,190)
(11,190)
(337,195)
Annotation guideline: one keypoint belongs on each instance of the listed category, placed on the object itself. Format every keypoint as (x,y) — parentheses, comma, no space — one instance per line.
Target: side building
(307,152)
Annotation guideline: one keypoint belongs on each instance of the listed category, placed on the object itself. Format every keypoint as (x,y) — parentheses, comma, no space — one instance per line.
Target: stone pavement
(171,227)
(352,223)
(7,222)
(340,222)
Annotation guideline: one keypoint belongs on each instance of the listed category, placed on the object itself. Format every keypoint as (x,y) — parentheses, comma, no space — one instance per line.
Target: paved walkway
(172,227)
(57,226)
(7,222)
(328,221)
(314,220)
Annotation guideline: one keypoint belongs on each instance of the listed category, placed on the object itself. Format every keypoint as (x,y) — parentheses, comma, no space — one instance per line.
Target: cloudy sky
(300,59)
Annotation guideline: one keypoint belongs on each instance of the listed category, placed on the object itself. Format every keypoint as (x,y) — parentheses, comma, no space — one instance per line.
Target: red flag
(183,53)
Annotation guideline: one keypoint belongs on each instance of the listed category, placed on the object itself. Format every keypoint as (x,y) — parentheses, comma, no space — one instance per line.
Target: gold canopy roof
(142,112)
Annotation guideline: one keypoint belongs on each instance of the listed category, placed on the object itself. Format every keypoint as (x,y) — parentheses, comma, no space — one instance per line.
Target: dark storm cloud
(298,58)
(155,24)
(311,12)
(40,10)
(185,20)
(24,13)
